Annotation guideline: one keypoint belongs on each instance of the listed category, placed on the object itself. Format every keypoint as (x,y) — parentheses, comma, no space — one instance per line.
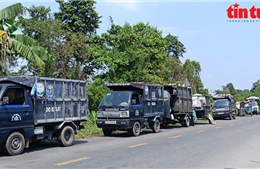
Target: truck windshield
(220,103)
(116,98)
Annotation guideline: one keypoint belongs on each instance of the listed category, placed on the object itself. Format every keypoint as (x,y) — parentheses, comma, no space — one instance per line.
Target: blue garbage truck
(37,108)
(131,107)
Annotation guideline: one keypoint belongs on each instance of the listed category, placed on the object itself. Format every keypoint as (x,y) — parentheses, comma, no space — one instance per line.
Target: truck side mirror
(5,100)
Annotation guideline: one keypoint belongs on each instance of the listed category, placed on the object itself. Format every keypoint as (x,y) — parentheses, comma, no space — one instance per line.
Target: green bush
(91,127)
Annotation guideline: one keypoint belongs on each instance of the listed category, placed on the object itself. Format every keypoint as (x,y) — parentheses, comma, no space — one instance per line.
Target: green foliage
(91,127)
(9,13)
(96,92)
(133,53)
(64,38)
(14,46)
(240,95)
(192,71)
(175,48)
(80,16)
(256,88)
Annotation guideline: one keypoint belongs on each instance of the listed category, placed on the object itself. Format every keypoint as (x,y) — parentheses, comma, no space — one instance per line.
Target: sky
(228,52)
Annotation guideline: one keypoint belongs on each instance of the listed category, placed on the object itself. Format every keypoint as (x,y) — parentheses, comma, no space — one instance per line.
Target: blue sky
(227,52)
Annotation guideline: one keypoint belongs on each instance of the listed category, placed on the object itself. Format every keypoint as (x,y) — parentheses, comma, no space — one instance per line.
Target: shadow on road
(255,161)
(38,146)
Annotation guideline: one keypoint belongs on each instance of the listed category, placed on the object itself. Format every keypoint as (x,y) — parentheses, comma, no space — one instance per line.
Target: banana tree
(18,44)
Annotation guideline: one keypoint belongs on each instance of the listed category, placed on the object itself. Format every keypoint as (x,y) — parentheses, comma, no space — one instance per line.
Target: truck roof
(129,86)
(174,86)
(23,80)
(29,80)
(253,98)
(223,96)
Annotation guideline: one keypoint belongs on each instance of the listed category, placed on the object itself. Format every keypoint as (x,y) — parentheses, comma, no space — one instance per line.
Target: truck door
(136,106)
(18,111)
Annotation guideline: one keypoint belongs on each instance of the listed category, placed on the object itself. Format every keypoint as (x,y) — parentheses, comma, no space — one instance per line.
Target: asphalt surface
(228,144)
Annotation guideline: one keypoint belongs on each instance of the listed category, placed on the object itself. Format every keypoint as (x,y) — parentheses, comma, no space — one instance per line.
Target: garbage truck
(37,108)
(178,105)
(202,107)
(224,106)
(131,107)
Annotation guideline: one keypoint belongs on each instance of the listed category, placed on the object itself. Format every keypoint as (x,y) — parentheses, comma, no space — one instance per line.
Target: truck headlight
(100,113)
(124,114)
(213,109)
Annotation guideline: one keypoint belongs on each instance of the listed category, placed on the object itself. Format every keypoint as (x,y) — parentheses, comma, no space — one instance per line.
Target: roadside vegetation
(65,44)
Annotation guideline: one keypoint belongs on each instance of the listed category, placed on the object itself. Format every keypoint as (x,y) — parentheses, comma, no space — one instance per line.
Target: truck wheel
(107,132)
(67,136)
(230,116)
(156,126)
(15,143)
(234,116)
(192,120)
(186,121)
(136,129)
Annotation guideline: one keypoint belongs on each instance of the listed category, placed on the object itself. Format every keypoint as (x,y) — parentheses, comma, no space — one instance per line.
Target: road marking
(200,131)
(178,136)
(231,125)
(138,145)
(218,127)
(72,161)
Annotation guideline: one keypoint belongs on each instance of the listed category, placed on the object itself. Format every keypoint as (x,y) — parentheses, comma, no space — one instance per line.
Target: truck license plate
(221,113)
(110,122)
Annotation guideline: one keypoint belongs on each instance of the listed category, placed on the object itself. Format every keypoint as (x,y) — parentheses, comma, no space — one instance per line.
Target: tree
(231,89)
(191,70)
(79,15)
(72,49)
(175,48)
(17,44)
(81,21)
(133,53)
(255,90)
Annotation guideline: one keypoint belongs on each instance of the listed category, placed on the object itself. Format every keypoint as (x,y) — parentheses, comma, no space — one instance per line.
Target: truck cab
(224,106)
(131,107)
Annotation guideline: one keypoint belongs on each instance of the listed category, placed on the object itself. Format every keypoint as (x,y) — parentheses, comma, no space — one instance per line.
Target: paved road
(228,144)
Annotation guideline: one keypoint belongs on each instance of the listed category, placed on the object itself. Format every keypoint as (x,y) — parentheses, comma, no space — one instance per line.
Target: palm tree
(19,44)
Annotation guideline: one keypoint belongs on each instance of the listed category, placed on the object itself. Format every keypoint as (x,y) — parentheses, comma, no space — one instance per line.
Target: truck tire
(185,121)
(234,116)
(67,136)
(136,130)
(156,126)
(192,120)
(15,143)
(230,116)
(107,132)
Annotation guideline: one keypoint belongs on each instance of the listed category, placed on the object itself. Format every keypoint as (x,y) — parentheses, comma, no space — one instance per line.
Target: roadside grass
(91,129)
